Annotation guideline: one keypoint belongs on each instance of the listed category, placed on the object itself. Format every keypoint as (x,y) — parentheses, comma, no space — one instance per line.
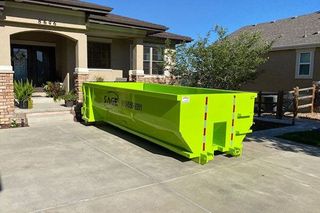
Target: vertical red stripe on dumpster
(205,125)
(233,120)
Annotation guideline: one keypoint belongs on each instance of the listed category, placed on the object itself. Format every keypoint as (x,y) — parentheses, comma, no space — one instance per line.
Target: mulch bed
(9,126)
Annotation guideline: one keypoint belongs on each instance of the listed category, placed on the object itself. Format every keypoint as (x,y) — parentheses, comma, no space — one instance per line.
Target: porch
(73,58)
(70,58)
(43,104)
(45,56)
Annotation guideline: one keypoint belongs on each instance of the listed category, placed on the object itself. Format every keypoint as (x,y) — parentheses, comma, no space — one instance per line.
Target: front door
(36,63)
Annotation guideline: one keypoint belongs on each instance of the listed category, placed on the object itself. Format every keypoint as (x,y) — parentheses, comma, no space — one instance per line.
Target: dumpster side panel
(192,125)
(151,116)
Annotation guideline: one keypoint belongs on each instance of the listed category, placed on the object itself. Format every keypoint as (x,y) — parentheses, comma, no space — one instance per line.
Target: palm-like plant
(23,91)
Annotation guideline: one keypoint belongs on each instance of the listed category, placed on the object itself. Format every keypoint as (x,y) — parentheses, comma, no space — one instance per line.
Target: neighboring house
(295,56)
(72,42)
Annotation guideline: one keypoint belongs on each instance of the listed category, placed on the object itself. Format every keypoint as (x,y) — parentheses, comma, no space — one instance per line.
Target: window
(304,67)
(153,59)
(99,55)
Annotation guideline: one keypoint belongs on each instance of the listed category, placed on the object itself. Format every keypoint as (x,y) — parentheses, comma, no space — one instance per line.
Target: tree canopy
(226,63)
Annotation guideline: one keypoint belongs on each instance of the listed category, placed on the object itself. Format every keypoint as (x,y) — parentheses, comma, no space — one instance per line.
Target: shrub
(48,88)
(23,90)
(99,79)
(54,90)
(226,63)
(70,96)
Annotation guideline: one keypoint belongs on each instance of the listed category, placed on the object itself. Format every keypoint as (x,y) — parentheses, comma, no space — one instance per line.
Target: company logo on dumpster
(113,99)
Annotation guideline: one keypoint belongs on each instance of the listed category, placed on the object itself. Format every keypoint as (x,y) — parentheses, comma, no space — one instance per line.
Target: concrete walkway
(57,165)
(44,105)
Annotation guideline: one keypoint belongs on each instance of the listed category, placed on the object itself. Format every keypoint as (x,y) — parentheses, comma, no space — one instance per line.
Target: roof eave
(298,46)
(181,39)
(105,10)
(153,30)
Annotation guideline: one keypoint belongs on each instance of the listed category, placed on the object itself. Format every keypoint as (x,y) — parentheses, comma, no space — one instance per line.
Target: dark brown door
(36,63)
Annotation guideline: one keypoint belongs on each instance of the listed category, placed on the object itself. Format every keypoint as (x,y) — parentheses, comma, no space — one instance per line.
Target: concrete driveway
(57,165)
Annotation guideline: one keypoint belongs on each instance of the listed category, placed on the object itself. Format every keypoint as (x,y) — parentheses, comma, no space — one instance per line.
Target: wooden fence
(304,98)
(301,98)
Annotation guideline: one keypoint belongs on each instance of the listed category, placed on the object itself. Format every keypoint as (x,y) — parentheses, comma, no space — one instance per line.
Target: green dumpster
(193,122)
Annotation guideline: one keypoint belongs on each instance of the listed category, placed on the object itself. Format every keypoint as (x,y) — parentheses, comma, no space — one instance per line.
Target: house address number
(47,22)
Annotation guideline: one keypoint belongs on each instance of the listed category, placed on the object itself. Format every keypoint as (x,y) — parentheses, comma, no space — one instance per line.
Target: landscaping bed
(311,137)
(19,120)
(14,124)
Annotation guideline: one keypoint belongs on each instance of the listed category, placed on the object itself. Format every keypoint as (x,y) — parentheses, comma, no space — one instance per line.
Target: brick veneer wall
(6,98)
(79,79)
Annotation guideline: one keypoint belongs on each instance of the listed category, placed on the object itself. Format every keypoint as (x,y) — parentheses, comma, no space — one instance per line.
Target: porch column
(137,60)
(6,80)
(81,73)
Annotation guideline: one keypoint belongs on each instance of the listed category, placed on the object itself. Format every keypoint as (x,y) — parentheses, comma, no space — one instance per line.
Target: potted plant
(99,79)
(23,92)
(54,90)
(47,88)
(69,98)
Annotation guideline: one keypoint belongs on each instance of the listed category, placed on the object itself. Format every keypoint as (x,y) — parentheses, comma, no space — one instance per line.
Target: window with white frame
(153,59)
(304,67)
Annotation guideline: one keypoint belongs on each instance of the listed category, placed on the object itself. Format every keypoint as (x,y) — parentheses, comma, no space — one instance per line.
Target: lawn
(311,137)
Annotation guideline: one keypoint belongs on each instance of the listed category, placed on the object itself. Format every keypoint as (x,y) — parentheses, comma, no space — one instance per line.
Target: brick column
(79,78)
(6,97)
(81,72)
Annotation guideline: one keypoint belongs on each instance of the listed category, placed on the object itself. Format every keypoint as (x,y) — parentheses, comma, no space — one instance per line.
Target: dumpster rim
(228,92)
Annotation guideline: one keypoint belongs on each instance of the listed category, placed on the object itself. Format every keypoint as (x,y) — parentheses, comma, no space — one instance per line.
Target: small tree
(227,63)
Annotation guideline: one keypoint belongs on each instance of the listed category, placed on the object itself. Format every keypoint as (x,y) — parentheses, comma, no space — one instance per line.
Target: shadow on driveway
(138,141)
(285,145)
(0,184)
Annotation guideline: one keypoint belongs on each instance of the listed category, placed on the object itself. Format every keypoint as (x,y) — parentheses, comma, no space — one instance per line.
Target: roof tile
(290,32)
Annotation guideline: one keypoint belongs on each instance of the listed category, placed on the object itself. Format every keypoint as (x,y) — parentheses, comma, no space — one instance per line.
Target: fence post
(316,97)
(279,105)
(259,103)
(295,104)
(313,97)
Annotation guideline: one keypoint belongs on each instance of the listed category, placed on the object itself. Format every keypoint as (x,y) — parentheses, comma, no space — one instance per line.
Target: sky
(195,18)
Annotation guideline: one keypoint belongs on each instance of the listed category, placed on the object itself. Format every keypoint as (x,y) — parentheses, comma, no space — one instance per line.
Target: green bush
(48,88)
(54,89)
(70,96)
(99,79)
(23,90)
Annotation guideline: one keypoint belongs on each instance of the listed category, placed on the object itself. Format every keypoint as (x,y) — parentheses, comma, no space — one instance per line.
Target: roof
(172,36)
(112,19)
(101,15)
(71,4)
(291,32)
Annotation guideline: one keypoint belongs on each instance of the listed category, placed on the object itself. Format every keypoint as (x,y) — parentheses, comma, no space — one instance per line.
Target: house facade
(295,56)
(74,41)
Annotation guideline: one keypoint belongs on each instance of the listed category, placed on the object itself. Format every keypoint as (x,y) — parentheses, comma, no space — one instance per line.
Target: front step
(46,118)
(39,94)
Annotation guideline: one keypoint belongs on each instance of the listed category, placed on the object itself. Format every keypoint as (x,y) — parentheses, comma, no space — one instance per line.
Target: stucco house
(74,41)
(295,56)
